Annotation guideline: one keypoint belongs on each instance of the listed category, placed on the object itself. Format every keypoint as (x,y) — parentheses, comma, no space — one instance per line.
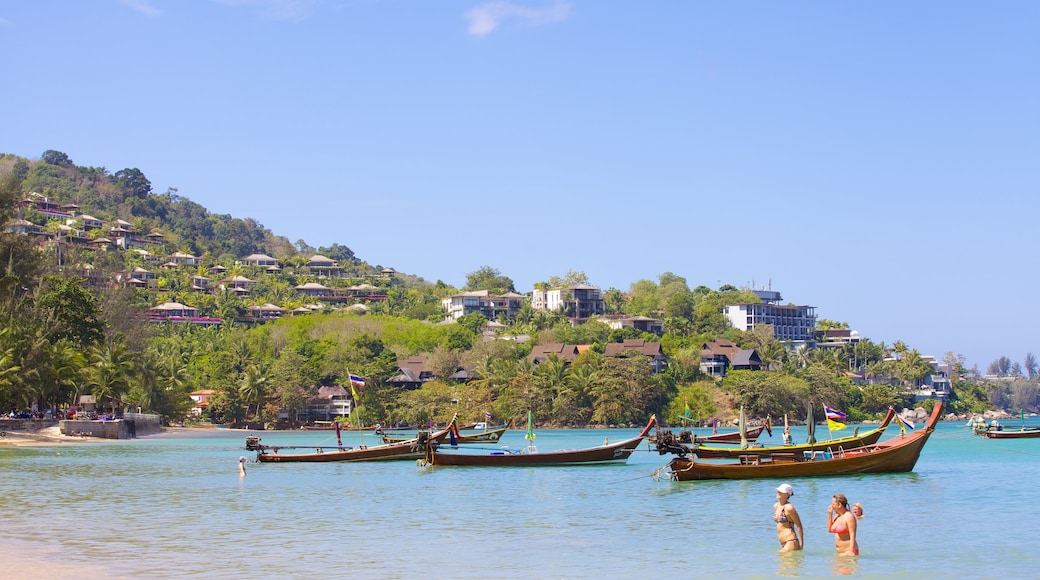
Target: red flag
(769,425)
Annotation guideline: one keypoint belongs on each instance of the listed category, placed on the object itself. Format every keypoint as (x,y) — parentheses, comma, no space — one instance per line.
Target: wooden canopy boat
(894,455)
(1023,433)
(845,443)
(412,449)
(530,456)
(489,436)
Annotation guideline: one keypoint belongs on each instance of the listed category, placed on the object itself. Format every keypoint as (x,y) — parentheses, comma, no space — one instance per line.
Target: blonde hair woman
(842,523)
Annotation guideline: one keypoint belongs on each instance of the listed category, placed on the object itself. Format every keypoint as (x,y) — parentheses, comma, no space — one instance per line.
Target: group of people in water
(842,521)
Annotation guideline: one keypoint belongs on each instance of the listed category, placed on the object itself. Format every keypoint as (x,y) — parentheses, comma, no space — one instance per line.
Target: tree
(112,371)
(56,158)
(1030,365)
(133,183)
(490,279)
(254,384)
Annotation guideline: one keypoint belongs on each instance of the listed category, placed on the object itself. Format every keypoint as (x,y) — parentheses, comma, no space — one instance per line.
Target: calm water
(176,507)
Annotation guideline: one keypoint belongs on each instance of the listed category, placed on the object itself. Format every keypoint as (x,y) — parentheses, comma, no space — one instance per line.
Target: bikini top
(780,516)
(838,526)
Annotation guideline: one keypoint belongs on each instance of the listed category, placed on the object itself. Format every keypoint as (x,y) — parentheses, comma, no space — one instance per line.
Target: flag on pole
(714,427)
(353,393)
(904,423)
(487,415)
(356,381)
(688,412)
(833,425)
(834,414)
(769,425)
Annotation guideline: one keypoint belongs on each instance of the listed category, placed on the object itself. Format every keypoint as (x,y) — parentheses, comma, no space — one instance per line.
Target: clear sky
(877,160)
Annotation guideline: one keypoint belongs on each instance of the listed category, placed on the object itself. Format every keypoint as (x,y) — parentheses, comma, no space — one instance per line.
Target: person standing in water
(786,518)
(242,466)
(842,523)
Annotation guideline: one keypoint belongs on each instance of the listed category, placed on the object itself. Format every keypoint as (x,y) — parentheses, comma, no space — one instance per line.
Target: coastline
(52,436)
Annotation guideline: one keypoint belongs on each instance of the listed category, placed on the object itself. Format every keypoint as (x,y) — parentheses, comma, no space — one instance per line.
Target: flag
(487,415)
(834,425)
(688,412)
(714,427)
(904,423)
(769,425)
(353,393)
(834,414)
(356,381)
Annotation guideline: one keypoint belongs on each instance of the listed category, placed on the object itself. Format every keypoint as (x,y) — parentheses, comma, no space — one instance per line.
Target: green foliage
(763,393)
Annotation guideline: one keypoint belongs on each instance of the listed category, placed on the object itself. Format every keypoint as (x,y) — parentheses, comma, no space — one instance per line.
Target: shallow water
(176,507)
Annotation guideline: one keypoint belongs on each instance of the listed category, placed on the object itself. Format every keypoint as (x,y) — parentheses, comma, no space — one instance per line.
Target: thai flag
(357,381)
(834,414)
(487,415)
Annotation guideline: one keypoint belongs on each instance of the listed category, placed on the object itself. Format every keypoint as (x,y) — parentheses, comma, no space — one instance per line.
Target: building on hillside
(261,260)
(936,385)
(836,338)
(484,303)
(566,352)
(578,302)
(651,350)
(414,372)
(330,402)
(640,323)
(793,325)
(319,265)
(718,356)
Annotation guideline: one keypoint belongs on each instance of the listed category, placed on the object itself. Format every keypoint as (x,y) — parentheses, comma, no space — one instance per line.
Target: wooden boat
(894,455)
(1023,433)
(530,456)
(845,443)
(489,436)
(414,448)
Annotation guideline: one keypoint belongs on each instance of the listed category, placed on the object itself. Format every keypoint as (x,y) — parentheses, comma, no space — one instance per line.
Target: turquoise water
(175,506)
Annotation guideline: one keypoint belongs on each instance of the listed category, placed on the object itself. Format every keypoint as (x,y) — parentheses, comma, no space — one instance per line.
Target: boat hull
(892,456)
(612,453)
(1026,433)
(490,436)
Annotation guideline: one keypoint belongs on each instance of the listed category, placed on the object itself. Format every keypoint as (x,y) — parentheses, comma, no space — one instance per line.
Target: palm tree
(111,371)
(253,385)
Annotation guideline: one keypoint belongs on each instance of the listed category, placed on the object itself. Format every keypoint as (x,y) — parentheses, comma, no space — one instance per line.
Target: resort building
(578,302)
(483,302)
(793,325)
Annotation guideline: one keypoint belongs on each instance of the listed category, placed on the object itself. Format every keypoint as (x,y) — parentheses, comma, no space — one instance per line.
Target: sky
(875,160)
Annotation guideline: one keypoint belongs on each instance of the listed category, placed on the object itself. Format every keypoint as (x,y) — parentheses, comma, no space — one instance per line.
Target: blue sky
(877,160)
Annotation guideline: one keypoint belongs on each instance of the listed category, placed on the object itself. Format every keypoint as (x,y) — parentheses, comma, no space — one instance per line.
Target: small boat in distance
(530,456)
(895,455)
(465,438)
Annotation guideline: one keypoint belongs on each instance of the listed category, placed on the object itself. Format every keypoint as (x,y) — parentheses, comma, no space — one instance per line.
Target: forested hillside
(63,337)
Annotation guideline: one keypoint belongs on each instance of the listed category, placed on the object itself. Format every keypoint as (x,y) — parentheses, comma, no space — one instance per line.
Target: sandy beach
(51,436)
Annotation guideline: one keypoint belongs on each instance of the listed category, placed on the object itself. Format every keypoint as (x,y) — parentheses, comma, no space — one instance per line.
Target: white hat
(243,458)
(785,488)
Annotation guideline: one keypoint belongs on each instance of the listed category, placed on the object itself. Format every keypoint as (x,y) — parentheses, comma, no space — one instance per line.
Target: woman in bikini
(842,523)
(786,518)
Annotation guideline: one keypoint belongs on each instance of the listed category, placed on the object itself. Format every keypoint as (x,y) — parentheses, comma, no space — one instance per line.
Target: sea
(175,506)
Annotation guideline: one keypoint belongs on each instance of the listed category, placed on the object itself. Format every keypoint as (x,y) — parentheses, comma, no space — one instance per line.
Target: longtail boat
(489,436)
(895,455)
(331,425)
(846,443)
(1023,433)
(530,456)
(414,448)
